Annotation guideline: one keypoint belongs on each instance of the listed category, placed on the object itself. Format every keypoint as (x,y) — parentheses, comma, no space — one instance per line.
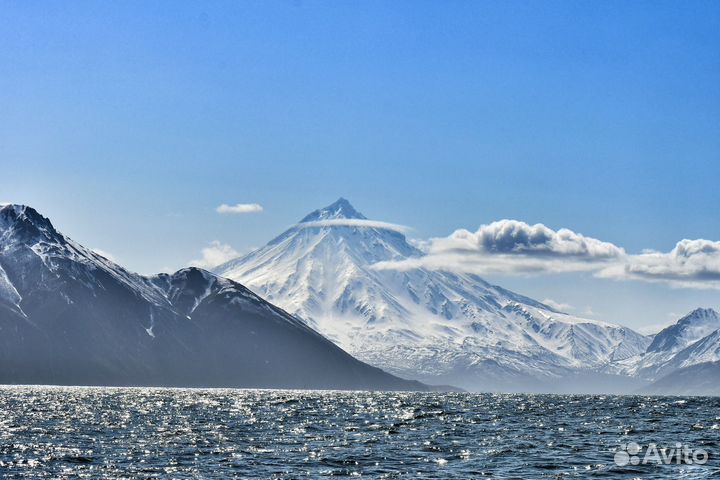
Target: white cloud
(420,244)
(562,307)
(519,238)
(354,222)
(105,254)
(240,208)
(511,246)
(215,254)
(691,264)
(514,247)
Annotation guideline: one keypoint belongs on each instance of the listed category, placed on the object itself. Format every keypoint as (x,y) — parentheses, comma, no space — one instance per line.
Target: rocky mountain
(692,327)
(693,340)
(70,316)
(432,325)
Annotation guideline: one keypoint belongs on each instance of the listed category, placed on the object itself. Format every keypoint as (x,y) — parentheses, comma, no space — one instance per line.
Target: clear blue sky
(127,123)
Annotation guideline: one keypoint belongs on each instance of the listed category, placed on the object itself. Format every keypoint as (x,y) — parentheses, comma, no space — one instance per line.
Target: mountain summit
(689,329)
(437,326)
(25,223)
(340,209)
(691,341)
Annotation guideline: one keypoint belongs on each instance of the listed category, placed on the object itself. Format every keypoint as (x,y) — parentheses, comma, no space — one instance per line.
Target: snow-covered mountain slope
(692,327)
(692,340)
(705,350)
(432,325)
(71,316)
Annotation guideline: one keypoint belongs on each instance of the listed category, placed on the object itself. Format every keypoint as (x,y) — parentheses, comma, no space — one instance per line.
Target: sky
(130,123)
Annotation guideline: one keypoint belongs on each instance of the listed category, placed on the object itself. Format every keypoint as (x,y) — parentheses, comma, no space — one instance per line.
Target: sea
(140,433)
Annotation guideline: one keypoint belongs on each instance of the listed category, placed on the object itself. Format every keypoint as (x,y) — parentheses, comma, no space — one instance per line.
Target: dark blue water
(48,432)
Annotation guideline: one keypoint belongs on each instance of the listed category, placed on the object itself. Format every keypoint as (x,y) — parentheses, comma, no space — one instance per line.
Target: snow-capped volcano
(426,324)
(71,316)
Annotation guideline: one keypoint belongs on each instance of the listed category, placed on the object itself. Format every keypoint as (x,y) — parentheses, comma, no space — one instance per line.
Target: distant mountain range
(440,326)
(70,316)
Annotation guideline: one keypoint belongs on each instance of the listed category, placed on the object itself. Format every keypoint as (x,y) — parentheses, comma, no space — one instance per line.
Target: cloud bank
(240,208)
(691,264)
(511,246)
(515,247)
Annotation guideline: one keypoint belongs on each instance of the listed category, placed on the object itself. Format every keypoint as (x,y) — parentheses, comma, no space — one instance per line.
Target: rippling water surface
(55,432)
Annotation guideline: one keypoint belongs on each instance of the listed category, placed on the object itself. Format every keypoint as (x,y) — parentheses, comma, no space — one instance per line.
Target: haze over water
(79,432)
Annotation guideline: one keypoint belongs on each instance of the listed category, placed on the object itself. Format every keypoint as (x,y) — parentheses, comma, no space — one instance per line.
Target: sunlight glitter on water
(51,432)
